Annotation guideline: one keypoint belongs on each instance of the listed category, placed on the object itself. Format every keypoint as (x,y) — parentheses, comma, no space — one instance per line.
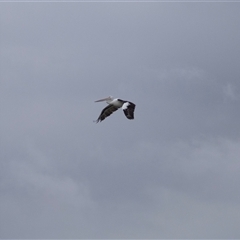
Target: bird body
(113,105)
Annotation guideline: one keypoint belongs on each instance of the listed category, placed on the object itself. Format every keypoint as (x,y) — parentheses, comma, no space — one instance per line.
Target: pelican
(113,105)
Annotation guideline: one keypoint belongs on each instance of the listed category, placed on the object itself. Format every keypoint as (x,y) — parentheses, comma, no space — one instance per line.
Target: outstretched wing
(107,111)
(128,109)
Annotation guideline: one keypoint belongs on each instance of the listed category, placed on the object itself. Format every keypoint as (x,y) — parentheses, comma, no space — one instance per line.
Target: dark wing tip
(129,111)
(107,111)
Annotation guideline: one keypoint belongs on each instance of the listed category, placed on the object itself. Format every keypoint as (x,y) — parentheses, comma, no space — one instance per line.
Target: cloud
(170,173)
(230,92)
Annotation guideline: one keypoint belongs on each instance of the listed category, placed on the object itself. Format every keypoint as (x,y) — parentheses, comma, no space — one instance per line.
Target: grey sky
(173,172)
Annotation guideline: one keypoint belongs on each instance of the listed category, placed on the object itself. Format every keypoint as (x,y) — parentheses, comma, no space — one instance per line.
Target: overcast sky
(172,172)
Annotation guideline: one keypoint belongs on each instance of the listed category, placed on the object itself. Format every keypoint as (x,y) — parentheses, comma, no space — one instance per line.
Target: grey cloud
(170,173)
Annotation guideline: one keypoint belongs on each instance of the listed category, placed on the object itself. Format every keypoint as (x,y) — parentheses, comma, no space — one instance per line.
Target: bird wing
(107,111)
(128,109)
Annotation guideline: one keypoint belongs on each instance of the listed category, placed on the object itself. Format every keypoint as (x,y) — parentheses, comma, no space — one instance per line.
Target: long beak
(101,100)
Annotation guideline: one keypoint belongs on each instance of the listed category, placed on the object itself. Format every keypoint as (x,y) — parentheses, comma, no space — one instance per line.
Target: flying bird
(113,105)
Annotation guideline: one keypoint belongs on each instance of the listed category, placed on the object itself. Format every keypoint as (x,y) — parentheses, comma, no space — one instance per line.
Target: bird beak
(101,100)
